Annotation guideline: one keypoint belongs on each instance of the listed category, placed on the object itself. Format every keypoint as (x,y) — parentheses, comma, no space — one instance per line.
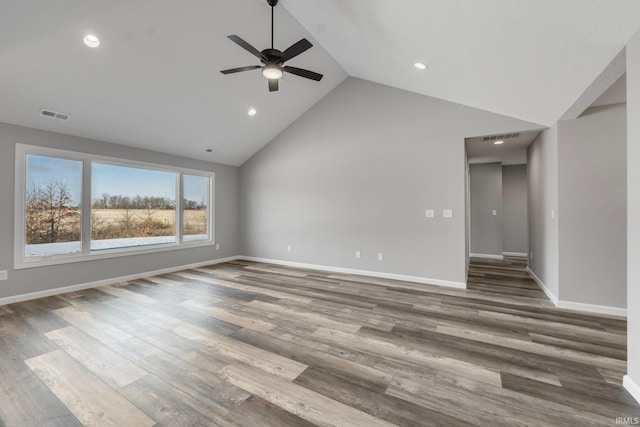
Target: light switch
(447,213)
(494,212)
(429,213)
(553,213)
(357,254)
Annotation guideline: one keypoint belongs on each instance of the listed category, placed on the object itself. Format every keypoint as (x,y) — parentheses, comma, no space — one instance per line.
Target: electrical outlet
(447,213)
(380,256)
(3,274)
(429,213)
(531,256)
(217,246)
(288,248)
(494,212)
(357,254)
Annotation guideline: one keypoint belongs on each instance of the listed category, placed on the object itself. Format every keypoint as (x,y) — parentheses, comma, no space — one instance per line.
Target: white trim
(111,281)
(491,256)
(569,305)
(392,276)
(592,308)
(524,254)
(550,295)
(632,387)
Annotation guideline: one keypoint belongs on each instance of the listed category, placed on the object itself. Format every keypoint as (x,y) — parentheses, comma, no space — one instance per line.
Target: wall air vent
(498,137)
(54,114)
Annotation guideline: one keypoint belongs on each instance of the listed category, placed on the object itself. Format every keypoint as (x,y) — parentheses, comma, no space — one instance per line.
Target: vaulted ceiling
(154,82)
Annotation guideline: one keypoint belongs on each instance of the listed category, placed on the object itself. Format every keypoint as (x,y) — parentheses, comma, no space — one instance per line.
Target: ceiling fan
(273,60)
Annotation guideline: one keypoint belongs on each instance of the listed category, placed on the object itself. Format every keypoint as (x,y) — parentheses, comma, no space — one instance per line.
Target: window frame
(22,261)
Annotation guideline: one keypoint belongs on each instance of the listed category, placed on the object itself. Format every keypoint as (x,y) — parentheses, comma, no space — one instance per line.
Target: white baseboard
(491,256)
(632,387)
(523,254)
(550,295)
(381,275)
(592,308)
(578,306)
(98,283)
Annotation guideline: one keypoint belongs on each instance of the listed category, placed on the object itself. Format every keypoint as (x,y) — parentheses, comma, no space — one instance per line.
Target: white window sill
(30,262)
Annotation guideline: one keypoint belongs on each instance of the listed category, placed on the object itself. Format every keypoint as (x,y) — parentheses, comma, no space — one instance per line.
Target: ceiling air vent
(504,136)
(54,114)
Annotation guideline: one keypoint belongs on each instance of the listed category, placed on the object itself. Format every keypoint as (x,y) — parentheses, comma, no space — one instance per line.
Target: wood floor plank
(93,402)
(25,401)
(536,348)
(258,412)
(87,323)
(221,314)
(298,400)
(203,385)
(367,397)
(267,361)
(419,358)
(112,368)
(170,406)
(305,316)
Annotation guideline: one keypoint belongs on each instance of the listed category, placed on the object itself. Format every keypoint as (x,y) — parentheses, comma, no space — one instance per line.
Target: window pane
(131,207)
(195,208)
(52,216)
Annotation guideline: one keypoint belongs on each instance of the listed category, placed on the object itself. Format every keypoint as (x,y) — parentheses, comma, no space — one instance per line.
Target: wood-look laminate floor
(248,344)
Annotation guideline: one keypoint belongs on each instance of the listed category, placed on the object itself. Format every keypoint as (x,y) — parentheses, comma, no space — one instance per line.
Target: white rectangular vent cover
(498,137)
(54,114)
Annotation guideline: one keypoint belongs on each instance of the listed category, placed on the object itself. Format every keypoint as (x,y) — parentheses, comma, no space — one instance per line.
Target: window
(72,207)
(195,207)
(53,206)
(125,215)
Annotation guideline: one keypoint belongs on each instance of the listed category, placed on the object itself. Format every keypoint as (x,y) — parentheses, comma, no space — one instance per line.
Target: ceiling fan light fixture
(91,41)
(499,142)
(272,72)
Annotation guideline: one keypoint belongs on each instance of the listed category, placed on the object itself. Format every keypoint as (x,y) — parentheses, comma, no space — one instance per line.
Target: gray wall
(356,172)
(592,188)
(633,212)
(514,205)
(43,278)
(485,197)
(542,178)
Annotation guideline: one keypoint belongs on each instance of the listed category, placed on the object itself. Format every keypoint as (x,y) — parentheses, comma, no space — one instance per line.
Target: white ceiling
(154,82)
(528,59)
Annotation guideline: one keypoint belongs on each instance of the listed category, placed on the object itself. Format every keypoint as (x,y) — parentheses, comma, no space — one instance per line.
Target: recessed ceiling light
(499,142)
(252,112)
(91,40)
(420,66)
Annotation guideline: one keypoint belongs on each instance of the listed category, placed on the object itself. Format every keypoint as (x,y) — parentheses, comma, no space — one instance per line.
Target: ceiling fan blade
(243,44)
(273,85)
(303,73)
(296,49)
(237,70)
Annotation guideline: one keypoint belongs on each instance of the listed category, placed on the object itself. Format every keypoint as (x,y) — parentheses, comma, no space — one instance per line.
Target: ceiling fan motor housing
(274,56)
(272,3)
